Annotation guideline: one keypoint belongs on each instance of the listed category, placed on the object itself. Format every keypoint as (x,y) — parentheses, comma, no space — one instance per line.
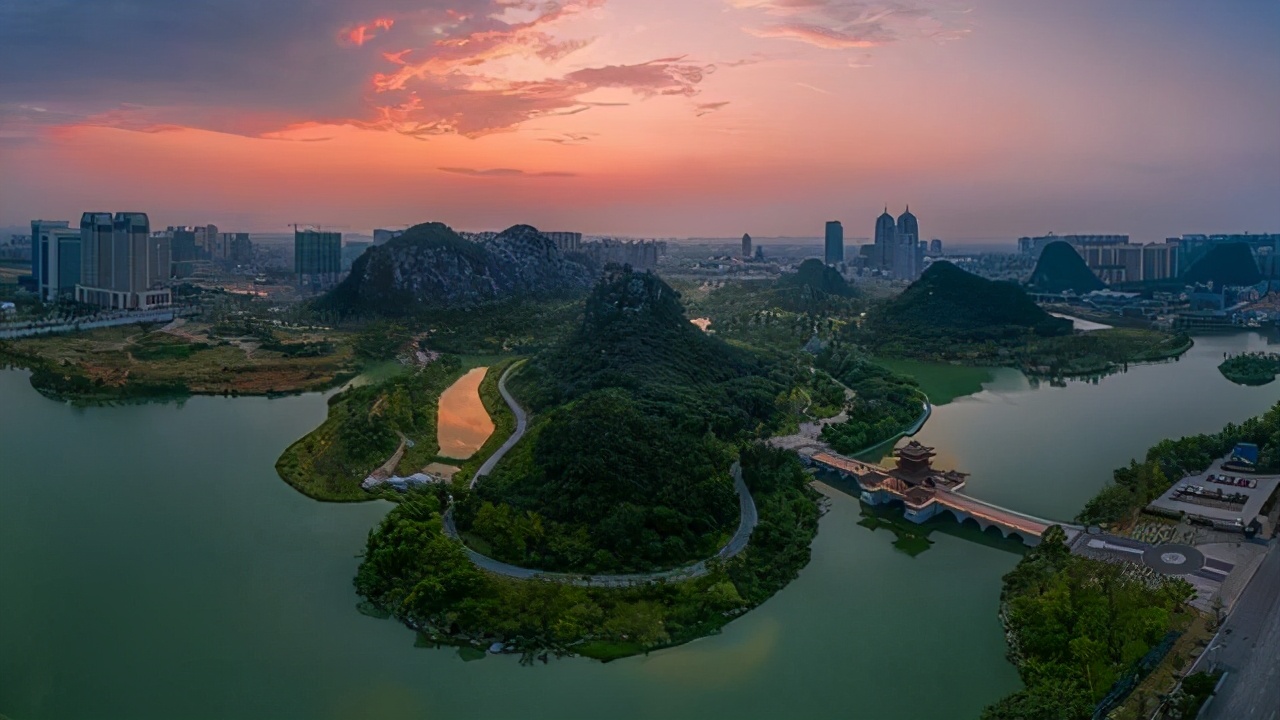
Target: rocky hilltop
(430,265)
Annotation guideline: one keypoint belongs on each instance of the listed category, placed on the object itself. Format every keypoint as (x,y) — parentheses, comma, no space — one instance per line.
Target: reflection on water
(463,424)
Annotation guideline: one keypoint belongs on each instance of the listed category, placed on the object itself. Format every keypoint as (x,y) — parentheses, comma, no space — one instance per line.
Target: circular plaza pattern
(1173,559)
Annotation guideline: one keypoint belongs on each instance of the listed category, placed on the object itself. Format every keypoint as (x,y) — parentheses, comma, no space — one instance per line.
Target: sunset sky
(992,118)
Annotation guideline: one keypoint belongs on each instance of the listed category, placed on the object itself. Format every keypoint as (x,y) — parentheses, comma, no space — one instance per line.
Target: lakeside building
(746,246)
(122,265)
(317,257)
(55,259)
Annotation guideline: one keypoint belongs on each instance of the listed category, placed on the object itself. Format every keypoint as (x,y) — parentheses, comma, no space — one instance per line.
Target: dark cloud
(255,67)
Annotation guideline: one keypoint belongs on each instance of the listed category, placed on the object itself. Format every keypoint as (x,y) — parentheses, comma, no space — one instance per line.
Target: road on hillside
(522,423)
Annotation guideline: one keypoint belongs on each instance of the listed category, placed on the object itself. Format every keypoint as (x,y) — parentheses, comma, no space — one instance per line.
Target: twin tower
(897,248)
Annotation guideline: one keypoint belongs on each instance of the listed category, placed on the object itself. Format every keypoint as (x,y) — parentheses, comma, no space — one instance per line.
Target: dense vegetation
(626,465)
(884,403)
(364,428)
(1075,626)
(818,278)
(1171,460)
(950,315)
(948,308)
(1226,264)
(411,569)
(1251,368)
(1060,269)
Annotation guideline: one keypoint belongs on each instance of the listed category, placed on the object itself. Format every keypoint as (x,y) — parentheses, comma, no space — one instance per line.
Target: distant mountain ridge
(1061,269)
(430,265)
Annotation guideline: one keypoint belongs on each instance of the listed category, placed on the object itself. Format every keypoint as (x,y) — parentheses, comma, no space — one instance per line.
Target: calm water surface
(152,565)
(463,424)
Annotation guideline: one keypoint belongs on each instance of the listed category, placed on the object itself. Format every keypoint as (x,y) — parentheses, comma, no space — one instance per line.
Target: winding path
(522,424)
(747,519)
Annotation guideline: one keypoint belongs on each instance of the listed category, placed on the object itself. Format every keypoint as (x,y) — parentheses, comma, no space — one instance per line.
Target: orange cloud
(360,34)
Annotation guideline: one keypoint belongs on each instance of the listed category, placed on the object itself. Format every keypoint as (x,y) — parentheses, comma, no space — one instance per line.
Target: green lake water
(152,565)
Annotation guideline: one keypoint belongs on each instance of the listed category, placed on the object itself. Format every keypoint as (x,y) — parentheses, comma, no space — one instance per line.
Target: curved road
(747,519)
(522,424)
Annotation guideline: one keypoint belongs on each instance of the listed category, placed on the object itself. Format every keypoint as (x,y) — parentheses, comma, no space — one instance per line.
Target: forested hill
(1226,264)
(627,463)
(431,266)
(635,335)
(818,278)
(1060,268)
(948,298)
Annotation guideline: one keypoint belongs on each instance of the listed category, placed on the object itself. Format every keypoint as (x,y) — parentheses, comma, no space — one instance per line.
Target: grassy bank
(133,362)
(363,429)
(1252,369)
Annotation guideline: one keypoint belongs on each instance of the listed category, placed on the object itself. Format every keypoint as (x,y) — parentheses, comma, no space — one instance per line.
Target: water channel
(152,565)
(463,424)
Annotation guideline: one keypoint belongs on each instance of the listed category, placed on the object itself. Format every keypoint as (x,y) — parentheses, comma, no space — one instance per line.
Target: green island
(1251,368)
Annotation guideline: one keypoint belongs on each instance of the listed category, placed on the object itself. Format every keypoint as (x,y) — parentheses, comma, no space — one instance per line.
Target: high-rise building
(381,236)
(317,257)
(907,257)
(834,244)
(55,259)
(240,250)
(935,247)
(565,241)
(746,246)
(122,266)
(886,238)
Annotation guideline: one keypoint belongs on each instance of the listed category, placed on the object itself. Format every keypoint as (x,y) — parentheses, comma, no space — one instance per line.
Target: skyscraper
(906,257)
(746,246)
(886,239)
(122,266)
(835,242)
(317,257)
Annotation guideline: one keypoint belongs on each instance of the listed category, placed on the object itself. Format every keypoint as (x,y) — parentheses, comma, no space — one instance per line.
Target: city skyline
(702,119)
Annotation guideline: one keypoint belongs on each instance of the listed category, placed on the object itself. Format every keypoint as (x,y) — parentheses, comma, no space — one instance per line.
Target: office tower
(886,238)
(122,266)
(935,247)
(317,257)
(746,246)
(55,259)
(905,265)
(834,243)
